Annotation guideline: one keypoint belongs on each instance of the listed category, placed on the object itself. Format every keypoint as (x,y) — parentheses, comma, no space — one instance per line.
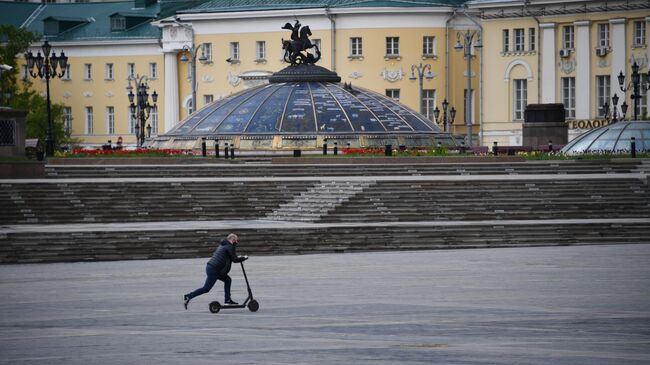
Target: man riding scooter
(217,268)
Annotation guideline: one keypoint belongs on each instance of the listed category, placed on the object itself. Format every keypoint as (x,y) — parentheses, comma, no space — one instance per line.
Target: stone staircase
(286,170)
(321,198)
(304,209)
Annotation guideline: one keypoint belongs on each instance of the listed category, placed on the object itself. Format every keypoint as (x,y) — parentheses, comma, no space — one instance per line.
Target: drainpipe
(332,37)
(480,77)
(538,41)
(453,15)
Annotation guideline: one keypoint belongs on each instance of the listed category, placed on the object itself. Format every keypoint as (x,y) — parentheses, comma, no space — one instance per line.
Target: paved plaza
(544,305)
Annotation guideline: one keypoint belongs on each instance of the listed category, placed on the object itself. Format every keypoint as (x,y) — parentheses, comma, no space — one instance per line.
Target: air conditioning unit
(564,53)
(601,51)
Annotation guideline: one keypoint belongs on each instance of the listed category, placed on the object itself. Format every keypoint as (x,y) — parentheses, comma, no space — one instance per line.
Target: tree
(13,41)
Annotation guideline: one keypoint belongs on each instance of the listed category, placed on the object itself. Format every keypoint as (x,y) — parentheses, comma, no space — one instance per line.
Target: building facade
(542,51)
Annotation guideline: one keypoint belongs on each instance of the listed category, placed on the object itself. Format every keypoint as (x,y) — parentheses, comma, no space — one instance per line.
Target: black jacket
(223,257)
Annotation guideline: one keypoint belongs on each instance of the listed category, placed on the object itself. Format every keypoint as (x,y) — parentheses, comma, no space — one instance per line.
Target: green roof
(217,6)
(96,17)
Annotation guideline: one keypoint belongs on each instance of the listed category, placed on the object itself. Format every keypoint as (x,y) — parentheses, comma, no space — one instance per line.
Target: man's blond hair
(232,237)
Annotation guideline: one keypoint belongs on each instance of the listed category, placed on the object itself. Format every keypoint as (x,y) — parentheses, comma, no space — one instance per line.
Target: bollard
(216,148)
(232,151)
(297,153)
(324,147)
(550,146)
(633,147)
(388,150)
(204,150)
(225,150)
(462,146)
(336,148)
(494,148)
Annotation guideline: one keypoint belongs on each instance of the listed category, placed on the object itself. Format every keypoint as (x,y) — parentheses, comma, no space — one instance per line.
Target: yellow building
(532,52)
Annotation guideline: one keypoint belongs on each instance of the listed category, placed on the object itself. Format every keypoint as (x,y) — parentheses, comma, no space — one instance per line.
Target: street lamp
(446,122)
(192,50)
(635,85)
(421,69)
(468,42)
(141,109)
(45,67)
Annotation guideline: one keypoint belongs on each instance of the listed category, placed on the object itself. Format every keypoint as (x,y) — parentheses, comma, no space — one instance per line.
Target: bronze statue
(299,43)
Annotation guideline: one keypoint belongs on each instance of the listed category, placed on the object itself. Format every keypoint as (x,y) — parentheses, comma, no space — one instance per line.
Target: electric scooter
(251,303)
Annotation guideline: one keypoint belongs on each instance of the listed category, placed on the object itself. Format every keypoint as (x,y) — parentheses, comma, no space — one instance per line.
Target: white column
(583,70)
(618,44)
(548,54)
(171,91)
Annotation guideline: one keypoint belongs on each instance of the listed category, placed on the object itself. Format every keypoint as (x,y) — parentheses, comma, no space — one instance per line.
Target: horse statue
(299,43)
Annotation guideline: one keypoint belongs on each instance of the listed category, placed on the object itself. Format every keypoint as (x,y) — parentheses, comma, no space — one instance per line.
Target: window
(154,120)
(639,33)
(89,120)
(24,73)
(531,39)
(66,74)
(506,41)
(206,52)
(428,103)
(392,46)
(208,98)
(131,122)
(519,39)
(603,35)
(569,97)
(88,71)
(567,37)
(67,119)
(520,98)
(356,47)
(428,46)
(393,93)
(260,50)
(110,120)
(316,42)
(190,107)
(109,71)
(234,51)
(602,94)
(118,23)
(153,70)
(130,70)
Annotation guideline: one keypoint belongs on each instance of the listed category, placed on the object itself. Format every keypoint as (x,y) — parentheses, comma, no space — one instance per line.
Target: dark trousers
(212,277)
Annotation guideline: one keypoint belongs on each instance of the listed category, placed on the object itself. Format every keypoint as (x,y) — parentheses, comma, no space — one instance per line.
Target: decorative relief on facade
(67,94)
(603,63)
(173,33)
(87,94)
(207,78)
(233,79)
(109,94)
(640,59)
(567,66)
(392,75)
(356,75)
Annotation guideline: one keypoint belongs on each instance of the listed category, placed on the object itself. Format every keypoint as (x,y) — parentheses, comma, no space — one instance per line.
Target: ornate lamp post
(446,122)
(141,109)
(466,46)
(192,50)
(45,66)
(635,85)
(420,72)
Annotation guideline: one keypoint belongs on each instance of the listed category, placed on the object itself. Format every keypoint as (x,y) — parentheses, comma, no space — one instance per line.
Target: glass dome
(612,138)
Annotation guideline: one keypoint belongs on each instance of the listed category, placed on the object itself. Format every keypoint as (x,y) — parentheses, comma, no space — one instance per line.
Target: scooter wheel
(215,307)
(253,306)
